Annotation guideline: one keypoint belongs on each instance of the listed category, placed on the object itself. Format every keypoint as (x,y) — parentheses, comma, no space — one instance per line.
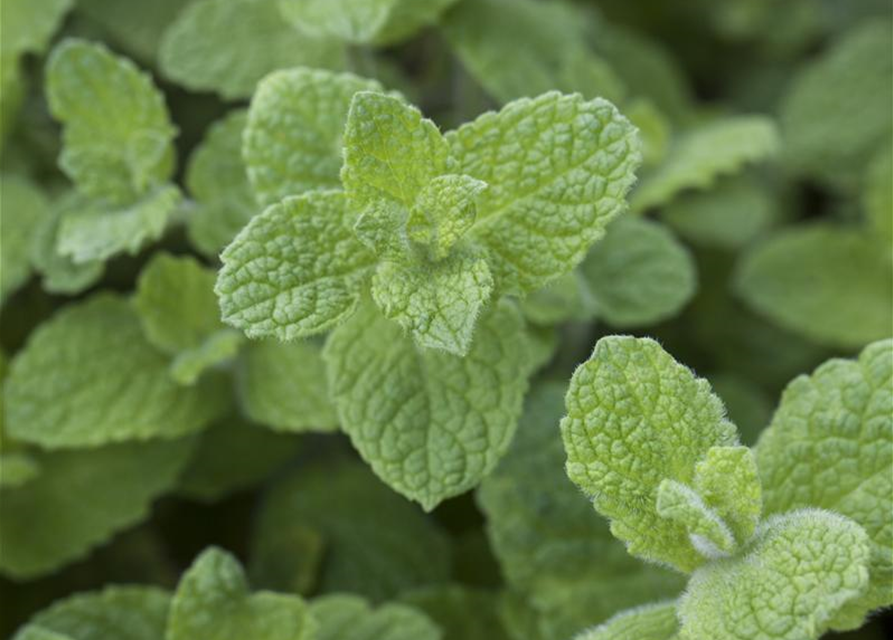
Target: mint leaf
(832,284)
(829,445)
(461,612)
(28,26)
(17,468)
(438,431)
(25,209)
(89,494)
(437,302)
(213,46)
(213,601)
(802,568)
(377,543)
(88,377)
(558,169)
(444,210)
(117,136)
(216,350)
(708,533)
(295,270)
(119,613)
(636,418)
(348,617)
(699,156)
(293,136)
(136,29)
(648,622)
(878,195)
(283,386)
(564,299)
(728,481)
(639,274)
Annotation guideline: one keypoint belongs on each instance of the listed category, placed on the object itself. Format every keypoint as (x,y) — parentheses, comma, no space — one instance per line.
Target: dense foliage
(334,319)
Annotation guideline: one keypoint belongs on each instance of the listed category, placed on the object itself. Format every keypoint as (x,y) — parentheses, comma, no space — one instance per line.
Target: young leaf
(117,134)
(88,494)
(295,270)
(802,568)
(283,386)
(437,302)
(115,613)
(829,445)
(648,622)
(292,141)
(832,284)
(558,169)
(708,533)
(25,210)
(88,377)
(639,274)
(213,602)
(635,418)
(445,420)
(213,46)
(444,210)
(727,481)
(348,617)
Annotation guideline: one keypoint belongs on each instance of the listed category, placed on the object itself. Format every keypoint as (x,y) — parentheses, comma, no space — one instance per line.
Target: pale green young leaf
(213,46)
(461,612)
(88,377)
(381,227)
(728,482)
(25,210)
(443,211)
(349,617)
(832,284)
(117,134)
(218,181)
(557,169)
(708,533)
(437,302)
(292,141)
(89,494)
(213,601)
(836,113)
(639,274)
(648,622)
(802,568)
(28,25)
(283,386)
(635,418)
(378,544)
(699,156)
(390,150)
(115,613)
(297,269)
(97,231)
(378,22)
(445,420)
(215,350)
(878,195)
(829,445)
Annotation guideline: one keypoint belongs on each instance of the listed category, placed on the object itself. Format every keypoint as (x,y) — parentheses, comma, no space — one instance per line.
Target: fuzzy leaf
(635,418)
(726,479)
(445,421)
(295,270)
(25,210)
(648,622)
(708,533)
(348,617)
(443,211)
(558,169)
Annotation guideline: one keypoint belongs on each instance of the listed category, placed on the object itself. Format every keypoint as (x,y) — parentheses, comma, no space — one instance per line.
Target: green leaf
(213,602)
(635,418)
(292,141)
(437,302)
(283,386)
(564,299)
(377,22)
(549,544)
(699,156)
(558,169)
(97,232)
(648,622)
(117,134)
(802,567)
(728,481)
(878,195)
(88,377)
(390,151)
(708,533)
(25,210)
(378,544)
(233,455)
(218,181)
(115,613)
(213,46)
(87,494)
(444,210)
(216,350)
(297,269)
(445,420)
(829,445)
(461,612)
(17,468)
(28,26)
(639,274)
(836,113)
(832,284)
(134,27)
(349,617)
